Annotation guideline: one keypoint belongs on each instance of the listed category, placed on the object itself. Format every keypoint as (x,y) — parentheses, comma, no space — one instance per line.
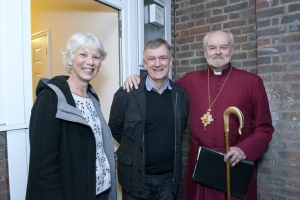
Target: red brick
(196,46)
(199,38)
(183,26)
(234,15)
(200,30)
(217,11)
(185,47)
(263,42)
(237,23)
(291,38)
(184,33)
(236,31)
(200,22)
(215,19)
(262,4)
(184,40)
(240,39)
(291,77)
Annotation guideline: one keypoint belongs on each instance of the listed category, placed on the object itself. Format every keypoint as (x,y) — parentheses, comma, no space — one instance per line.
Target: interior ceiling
(67,4)
(82,3)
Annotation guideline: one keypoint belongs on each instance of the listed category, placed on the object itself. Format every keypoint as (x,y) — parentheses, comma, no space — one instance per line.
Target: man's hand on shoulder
(133,80)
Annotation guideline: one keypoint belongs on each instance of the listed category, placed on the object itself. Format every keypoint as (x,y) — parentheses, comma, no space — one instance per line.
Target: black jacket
(127,123)
(62,146)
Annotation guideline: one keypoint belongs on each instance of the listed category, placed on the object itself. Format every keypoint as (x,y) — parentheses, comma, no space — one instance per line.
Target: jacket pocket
(132,119)
(124,169)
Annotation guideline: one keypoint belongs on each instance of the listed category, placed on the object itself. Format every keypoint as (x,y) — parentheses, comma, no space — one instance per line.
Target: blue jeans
(158,187)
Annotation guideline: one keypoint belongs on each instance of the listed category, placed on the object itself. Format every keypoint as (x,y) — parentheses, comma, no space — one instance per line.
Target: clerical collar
(224,71)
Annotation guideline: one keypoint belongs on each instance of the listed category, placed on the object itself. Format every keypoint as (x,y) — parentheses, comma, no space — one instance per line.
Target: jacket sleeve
(117,115)
(185,110)
(261,124)
(44,180)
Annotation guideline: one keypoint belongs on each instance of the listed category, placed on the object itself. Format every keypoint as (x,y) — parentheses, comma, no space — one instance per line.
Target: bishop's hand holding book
(210,170)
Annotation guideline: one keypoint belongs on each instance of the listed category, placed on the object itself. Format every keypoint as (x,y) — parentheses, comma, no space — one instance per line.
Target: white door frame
(128,11)
(16,89)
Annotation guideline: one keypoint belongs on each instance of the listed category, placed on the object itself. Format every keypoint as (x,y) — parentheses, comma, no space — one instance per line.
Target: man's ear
(171,61)
(232,49)
(144,63)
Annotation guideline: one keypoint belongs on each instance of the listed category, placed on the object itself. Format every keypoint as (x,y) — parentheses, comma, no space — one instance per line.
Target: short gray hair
(231,37)
(157,42)
(81,41)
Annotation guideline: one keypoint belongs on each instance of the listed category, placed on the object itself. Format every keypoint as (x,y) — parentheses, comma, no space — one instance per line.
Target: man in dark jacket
(148,124)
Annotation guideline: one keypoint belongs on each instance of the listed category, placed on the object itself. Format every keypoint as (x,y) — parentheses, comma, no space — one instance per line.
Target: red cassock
(243,90)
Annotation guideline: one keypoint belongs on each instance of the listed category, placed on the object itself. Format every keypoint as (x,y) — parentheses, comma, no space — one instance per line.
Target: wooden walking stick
(227,112)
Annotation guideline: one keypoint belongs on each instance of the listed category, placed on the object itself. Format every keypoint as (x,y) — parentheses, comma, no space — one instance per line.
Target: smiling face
(157,62)
(218,50)
(85,64)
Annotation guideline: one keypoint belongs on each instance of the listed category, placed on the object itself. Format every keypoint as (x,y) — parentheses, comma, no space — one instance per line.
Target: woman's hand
(133,80)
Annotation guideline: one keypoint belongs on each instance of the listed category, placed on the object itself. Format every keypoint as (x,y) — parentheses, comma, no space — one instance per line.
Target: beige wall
(65,19)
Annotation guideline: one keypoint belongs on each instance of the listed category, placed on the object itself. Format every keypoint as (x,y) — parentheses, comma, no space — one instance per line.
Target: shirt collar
(150,87)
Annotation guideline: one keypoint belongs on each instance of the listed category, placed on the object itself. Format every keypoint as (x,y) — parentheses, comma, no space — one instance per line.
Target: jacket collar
(66,107)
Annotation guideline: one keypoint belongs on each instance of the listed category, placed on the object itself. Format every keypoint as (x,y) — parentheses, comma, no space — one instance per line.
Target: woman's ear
(70,61)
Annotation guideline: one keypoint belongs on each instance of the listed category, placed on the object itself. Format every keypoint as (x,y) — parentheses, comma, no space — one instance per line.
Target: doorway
(65,18)
(18,19)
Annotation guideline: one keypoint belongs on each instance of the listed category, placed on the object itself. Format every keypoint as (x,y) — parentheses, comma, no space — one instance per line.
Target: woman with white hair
(71,154)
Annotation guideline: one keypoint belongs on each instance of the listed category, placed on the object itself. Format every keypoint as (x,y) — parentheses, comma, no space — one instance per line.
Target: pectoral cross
(207,118)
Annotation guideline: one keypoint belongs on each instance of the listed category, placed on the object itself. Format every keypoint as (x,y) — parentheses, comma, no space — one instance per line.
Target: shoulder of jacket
(177,88)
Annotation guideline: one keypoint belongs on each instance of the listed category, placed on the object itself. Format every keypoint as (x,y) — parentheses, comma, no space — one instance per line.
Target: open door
(40,58)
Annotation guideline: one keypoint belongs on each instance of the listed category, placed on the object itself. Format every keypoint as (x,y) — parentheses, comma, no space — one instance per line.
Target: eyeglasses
(161,58)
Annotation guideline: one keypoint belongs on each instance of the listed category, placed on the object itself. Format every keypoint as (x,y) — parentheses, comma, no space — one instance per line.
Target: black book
(210,171)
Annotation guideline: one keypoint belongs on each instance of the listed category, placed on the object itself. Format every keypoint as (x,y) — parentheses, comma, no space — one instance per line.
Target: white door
(39,53)
(128,14)
(128,57)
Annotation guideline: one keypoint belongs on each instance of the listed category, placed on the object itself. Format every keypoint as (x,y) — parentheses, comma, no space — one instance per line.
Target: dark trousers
(103,195)
(157,187)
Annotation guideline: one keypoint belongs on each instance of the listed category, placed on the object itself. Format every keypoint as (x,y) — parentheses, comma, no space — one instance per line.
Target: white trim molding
(15,96)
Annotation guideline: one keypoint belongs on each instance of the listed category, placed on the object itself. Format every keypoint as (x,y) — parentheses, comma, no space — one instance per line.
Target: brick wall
(267,43)
(278,62)
(4,181)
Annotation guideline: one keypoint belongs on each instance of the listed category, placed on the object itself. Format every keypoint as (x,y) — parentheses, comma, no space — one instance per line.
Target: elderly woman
(72,154)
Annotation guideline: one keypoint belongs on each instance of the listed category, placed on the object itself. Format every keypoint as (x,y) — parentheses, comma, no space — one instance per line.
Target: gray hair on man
(231,36)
